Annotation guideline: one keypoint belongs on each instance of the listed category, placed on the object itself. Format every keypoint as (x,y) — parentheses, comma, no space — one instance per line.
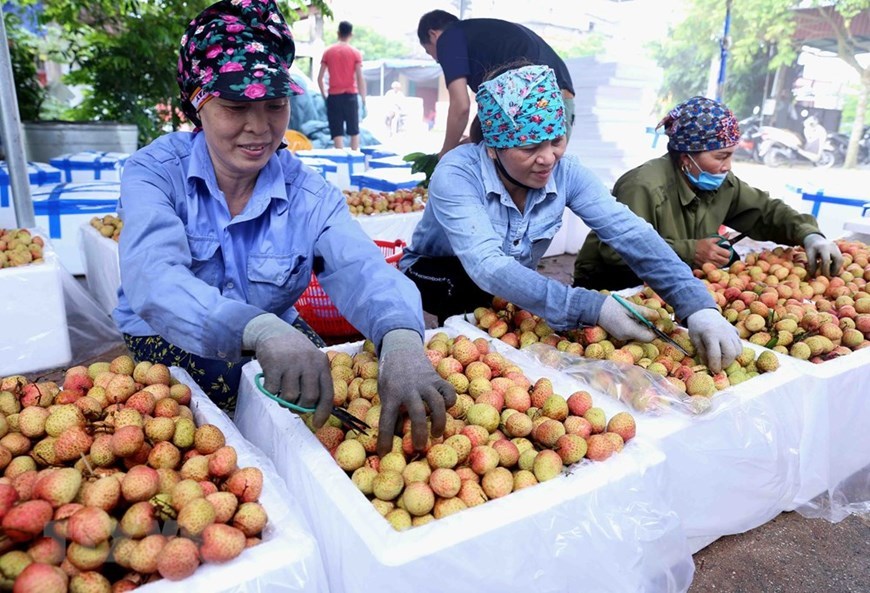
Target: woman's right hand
(292,365)
(709,250)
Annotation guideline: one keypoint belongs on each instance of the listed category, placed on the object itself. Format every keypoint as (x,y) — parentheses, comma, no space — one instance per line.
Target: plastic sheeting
(389,227)
(731,469)
(287,559)
(603,526)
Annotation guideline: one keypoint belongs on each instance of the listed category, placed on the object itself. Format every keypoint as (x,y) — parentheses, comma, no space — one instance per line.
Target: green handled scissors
(348,420)
(649,324)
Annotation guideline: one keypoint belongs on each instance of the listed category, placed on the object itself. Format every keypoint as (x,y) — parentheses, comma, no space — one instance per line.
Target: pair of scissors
(726,243)
(648,324)
(348,420)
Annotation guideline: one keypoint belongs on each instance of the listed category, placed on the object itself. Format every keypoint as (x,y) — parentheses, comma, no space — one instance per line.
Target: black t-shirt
(474,47)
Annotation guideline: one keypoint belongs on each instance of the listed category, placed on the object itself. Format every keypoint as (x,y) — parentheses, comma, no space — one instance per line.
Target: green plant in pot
(123,54)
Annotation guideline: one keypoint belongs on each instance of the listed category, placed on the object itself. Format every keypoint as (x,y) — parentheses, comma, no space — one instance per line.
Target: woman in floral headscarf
(689,192)
(494,207)
(222,231)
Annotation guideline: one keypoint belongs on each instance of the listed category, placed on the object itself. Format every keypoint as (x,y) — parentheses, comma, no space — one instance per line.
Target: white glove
(292,365)
(620,324)
(819,248)
(715,340)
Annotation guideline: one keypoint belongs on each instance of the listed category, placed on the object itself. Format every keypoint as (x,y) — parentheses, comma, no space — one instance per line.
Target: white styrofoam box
(375,152)
(387,179)
(38,174)
(102,267)
(607,521)
(327,169)
(729,470)
(287,559)
(62,209)
(91,165)
(388,227)
(33,316)
(835,443)
(349,162)
(389,162)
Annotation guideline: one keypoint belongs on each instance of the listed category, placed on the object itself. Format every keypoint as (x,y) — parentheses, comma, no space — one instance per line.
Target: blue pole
(723,55)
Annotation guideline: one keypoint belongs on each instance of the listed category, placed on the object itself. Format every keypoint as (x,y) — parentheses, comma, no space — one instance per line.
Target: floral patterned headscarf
(700,124)
(522,106)
(239,50)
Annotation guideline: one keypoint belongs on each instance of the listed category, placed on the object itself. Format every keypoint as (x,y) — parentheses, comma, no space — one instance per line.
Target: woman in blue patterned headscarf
(495,205)
(689,193)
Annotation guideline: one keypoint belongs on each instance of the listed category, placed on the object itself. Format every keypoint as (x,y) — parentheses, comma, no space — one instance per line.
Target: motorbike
(782,147)
(750,139)
(840,143)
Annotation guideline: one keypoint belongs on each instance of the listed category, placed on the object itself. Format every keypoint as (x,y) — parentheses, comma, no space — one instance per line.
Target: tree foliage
(124,53)
(375,46)
(23,55)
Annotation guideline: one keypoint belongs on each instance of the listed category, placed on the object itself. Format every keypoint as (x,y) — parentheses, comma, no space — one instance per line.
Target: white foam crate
(349,162)
(729,470)
(102,267)
(608,521)
(286,560)
(35,335)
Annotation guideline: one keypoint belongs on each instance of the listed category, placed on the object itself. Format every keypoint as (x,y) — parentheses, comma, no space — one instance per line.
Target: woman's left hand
(407,381)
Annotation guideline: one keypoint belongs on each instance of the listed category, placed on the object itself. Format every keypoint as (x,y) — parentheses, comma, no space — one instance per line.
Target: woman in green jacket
(689,192)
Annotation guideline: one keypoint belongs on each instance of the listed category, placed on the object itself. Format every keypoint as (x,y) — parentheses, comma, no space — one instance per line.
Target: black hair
(437,20)
(345,29)
(475,132)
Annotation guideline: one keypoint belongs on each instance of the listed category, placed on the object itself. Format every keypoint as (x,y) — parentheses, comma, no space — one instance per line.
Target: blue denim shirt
(195,276)
(471,215)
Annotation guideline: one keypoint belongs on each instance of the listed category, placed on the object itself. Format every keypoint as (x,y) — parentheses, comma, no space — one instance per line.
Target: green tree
(763,34)
(124,53)
(375,46)
(23,55)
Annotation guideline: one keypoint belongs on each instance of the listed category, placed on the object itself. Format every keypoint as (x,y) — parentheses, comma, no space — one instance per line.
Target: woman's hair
(475,132)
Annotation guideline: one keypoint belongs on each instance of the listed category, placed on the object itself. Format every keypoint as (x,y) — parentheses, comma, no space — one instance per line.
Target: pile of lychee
(772,301)
(108,226)
(370,201)
(503,434)
(686,374)
(109,484)
(19,248)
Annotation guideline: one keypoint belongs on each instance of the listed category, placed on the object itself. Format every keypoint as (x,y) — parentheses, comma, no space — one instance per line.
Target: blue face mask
(705,181)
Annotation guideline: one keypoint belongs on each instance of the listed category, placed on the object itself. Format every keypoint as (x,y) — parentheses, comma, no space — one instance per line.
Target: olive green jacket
(659,193)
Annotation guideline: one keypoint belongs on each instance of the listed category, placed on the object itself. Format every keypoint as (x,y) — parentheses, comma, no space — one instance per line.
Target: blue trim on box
(97,165)
(363,181)
(394,162)
(38,174)
(820,198)
(55,206)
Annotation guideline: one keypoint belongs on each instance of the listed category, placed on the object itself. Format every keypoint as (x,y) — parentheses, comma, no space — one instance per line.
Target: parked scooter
(782,147)
(840,143)
(750,138)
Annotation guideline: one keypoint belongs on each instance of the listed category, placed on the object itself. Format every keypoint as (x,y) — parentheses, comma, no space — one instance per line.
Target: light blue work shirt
(471,215)
(195,276)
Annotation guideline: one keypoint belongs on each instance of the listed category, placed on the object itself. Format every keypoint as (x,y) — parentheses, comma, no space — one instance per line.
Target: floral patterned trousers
(217,378)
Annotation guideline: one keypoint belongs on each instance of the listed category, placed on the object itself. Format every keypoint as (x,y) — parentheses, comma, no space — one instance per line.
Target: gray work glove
(819,248)
(620,324)
(406,381)
(292,365)
(715,340)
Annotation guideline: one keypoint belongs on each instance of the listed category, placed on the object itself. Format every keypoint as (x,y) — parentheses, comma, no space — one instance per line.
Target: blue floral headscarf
(239,50)
(522,106)
(700,124)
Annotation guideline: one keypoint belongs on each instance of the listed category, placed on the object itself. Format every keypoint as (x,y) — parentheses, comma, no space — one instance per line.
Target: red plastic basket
(318,310)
